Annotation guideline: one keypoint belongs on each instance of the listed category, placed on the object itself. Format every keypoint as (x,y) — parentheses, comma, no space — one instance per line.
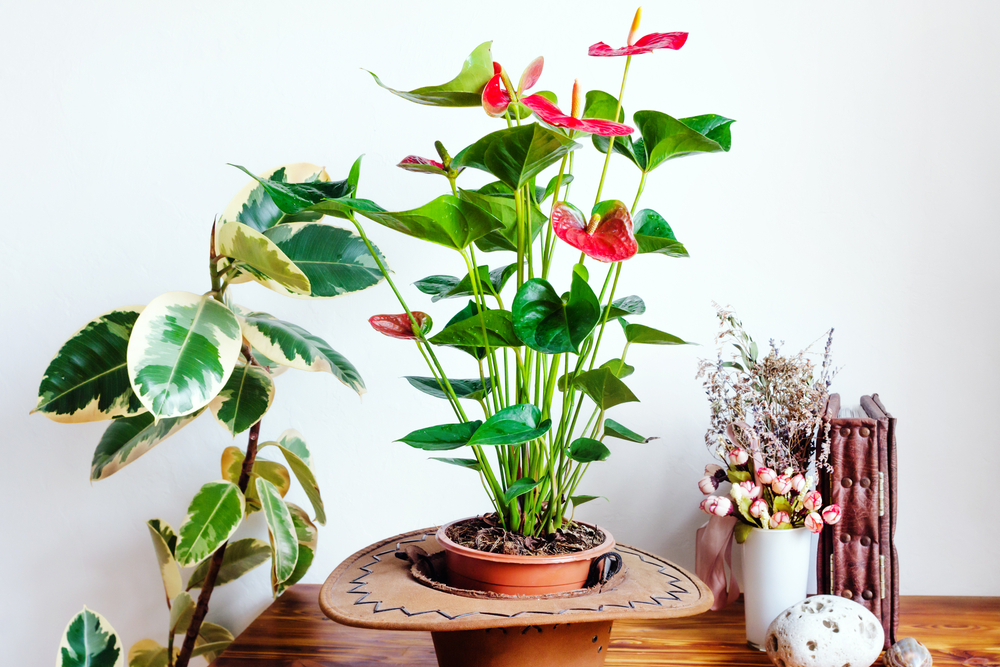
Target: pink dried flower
(798,483)
(780,520)
(738,457)
(758,508)
(752,490)
(766,475)
(814,522)
(718,505)
(781,485)
(708,485)
(812,501)
(832,514)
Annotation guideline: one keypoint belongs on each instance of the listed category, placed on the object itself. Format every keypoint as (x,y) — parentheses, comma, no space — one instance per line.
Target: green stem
(611,142)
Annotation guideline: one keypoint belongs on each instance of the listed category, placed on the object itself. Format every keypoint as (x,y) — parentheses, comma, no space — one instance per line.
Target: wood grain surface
(293,632)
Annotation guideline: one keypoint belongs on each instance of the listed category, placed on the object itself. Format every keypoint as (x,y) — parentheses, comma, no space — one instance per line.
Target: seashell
(908,652)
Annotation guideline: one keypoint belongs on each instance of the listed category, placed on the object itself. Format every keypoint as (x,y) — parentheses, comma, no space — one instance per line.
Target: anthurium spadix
(638,45)
(606,236)
(182,351)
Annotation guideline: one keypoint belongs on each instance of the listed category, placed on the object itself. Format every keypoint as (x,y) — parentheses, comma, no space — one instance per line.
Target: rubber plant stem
(201,609)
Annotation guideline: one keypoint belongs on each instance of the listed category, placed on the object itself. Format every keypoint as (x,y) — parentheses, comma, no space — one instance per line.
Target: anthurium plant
(531,407)
(152,370)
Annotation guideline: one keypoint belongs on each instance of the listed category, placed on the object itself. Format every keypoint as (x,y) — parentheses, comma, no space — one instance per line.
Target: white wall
(860,193)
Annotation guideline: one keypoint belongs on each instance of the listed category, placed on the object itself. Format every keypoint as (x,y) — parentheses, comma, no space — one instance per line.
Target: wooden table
(293,632)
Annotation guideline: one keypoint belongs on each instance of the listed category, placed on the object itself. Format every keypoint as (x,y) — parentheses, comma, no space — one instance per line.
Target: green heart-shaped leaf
(212,517)
(604,388)
(245,398)
(511,426)
(471,464)
(516,154)
(90,641)
(643,335)
(468,333)
(548,325)
(443,437)
(654,235)
(619,368)
(284,543)
(498,201)
(471,388)
(588,450)
(450,287)
(550,189)
(665,138)
(465,90)
(241,556)
(518,488)
(128,438)
(448,220)
(627,305)
(582,499)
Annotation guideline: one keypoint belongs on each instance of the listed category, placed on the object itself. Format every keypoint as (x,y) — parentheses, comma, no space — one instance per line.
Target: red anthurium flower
(496,98)
(400,326)
(647,44)
(606,237)
(551,114)
(422,165)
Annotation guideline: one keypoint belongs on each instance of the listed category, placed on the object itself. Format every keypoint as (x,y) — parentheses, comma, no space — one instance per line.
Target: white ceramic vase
(775,576)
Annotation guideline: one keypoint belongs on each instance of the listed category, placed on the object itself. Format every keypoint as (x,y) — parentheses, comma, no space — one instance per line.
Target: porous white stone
(824,631)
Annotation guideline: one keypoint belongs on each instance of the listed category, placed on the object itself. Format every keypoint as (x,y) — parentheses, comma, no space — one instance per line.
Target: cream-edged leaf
(164,542)
(212,517)
(181,611)
(275,473)
(182,351)
(245,398)
(149,653)
(212,640)
(292,447)
(258,255)
(254,207)
(241,556)
(308,537)
(87,380)
(128,438)
(90,641)
(284,543)
(291,345)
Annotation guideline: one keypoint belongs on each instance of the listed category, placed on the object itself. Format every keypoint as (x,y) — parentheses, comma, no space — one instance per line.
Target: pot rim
(761,531)
(607,545)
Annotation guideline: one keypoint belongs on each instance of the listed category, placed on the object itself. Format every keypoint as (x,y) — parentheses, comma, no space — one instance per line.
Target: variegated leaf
(87,380)
(335,260)
(308,537)
(164,542)
(149,653)
(254,207)
(299,460)
(212,640)
(128,438)
(182,351)
(275,473)
(241,556)
(90,641)
(291,345)
(245,398)
(284,544)
(273,367)
(254,252)
(181,611)
(212,517)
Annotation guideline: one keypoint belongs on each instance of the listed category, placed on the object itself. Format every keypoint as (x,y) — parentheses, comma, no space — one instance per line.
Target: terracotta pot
(518,575)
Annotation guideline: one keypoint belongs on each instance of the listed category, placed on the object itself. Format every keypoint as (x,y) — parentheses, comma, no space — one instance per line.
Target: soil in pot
(484,533)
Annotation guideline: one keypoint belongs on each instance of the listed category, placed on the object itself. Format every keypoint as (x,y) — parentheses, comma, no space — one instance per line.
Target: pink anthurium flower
(606,237)
(423,165)
(400,326)
(647,44)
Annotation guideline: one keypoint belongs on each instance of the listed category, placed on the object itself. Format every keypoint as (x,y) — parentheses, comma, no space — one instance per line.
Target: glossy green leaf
(308,539)
(164,542)
(465,90)
(254,207)
(443,437)
(471,388)
(149,653)
(654,235)
(604,388)
(550,189)
(546,324)
(241,556)
(499,203)
(244,400)
(291,345)
(470,310)
(451,287)
(335,260)
(619,368)
(643,335)
(182,350)
(582,499)
(212,640)
(284,544)
(260,256)
(588,450)
(511,426)
(181,611)
(449,221)
(742,532)
(468,333)
(665,138)
(602,105)
(87,380)
(308,201)
(615,430)
(90,641)
(128,438)
(519,488)
(212,517)
(297,455)
(471,464)
(277,474)
(627,305)
(516,154)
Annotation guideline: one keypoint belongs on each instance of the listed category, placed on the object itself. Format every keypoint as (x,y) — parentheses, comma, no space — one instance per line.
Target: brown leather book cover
(857,557)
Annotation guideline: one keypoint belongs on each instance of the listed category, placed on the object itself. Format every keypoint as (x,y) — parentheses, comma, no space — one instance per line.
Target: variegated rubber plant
(536,365)
(151,370)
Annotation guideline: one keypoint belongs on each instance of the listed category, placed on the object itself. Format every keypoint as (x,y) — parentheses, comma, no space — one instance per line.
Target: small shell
(908,652)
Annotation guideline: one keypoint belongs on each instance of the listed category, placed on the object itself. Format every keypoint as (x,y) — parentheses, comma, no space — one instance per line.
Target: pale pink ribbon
(713,549)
